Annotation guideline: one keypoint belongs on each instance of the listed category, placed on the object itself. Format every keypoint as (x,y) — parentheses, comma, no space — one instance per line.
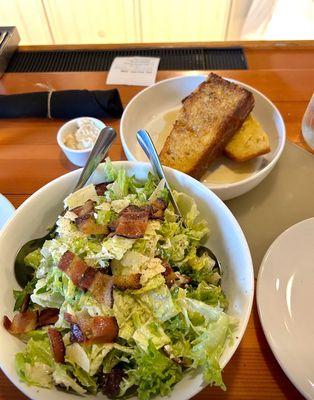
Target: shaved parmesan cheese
(81,196)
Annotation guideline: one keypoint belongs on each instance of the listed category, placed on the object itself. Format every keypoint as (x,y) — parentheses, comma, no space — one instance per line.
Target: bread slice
(249,142)
(209,117)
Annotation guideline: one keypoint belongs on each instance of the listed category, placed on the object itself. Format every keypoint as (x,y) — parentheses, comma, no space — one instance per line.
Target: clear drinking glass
(308,124)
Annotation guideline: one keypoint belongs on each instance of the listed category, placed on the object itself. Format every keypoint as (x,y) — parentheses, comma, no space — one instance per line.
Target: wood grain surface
(30,157)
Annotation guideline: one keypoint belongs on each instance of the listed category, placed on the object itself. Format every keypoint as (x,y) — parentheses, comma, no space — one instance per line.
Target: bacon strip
(87,225)
(104,329)
(132,222)
(48,316)
(174,278)
(169,275)
(101,288)
(87,278)
(101,188)
(100,329)
(85,220)
(21,323)
(86,209)
(57,345)
(73,266)
(25,303)
(29,320)
(124,282)
(158,209)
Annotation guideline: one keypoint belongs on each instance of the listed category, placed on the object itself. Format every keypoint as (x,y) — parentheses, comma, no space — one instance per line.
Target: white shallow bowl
(77,157)
(226,240)
(155,109)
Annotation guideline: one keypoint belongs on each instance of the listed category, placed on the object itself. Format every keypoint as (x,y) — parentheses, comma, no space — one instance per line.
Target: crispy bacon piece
(169,275)
(158,209)
(132,222)
(87,225)
(100,329)
(104,329)
(76,334)
(124,282)
(68,317)
(86,209)
(101,288)
(113,225)
(85,221)
(48,316)
(101,188)
(26,302)
(29,320)
(73,266)
(87,279)
(174,278)
(21,323)
(57,345)
(100,285)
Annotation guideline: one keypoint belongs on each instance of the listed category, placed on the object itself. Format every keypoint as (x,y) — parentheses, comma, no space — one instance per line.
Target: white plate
(226,240)
(285,298)
(6,210)
(155,109)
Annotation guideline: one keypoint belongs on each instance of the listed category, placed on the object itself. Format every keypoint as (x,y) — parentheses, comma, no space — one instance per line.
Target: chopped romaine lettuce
(62,376)
(150,332)
(154,373)
(160,302)
(35,365)
(33,259)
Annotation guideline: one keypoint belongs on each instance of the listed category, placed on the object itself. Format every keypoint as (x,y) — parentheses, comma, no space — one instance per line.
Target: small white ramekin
(77,157)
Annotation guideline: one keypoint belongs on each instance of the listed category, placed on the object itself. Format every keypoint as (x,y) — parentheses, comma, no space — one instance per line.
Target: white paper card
(134,71)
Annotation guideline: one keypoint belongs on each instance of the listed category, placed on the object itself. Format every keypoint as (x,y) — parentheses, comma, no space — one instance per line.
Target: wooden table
(30,157)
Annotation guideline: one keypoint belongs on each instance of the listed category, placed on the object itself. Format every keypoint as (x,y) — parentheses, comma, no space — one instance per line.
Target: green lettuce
(33,259)
(159,302)
(129,313)
(154,374)
(63,375)
(150,332)
(207,349)
(209,294)
(35,365)
(20,295)
(110,172)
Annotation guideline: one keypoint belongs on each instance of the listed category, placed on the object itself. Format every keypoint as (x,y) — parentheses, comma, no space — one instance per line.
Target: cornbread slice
(249,142)
(209,117)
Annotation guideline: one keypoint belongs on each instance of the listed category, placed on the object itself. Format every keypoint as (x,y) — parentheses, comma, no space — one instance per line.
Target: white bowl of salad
(122,303)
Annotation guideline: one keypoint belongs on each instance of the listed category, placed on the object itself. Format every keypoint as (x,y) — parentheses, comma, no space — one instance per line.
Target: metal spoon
(147,145)
(23,273)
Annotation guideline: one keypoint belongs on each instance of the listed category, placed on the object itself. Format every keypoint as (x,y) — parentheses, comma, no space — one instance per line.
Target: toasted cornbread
(249,142)
(209,117)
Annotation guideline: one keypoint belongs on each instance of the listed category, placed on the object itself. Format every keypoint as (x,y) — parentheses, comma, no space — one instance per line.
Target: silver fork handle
(147,145)
(103,142)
